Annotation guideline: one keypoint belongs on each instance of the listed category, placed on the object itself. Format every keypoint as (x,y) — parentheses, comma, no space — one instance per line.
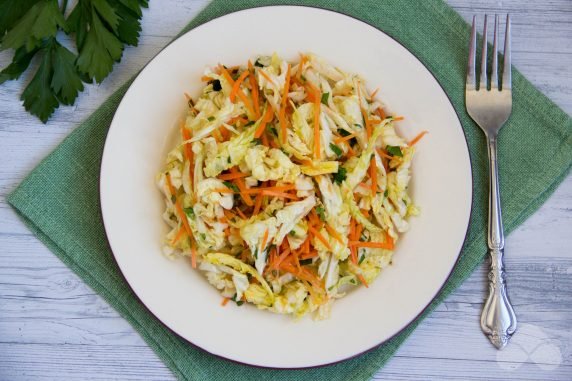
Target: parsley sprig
(101,29)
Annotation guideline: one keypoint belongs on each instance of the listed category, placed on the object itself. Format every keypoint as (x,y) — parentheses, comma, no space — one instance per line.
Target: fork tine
(506,71)
(494,74)
(471,75)
(483,84)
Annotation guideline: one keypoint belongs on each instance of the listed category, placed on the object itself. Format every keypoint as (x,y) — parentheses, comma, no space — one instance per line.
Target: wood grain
(53,327)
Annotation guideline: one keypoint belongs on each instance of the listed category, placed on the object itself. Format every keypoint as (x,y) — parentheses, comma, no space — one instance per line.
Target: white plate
(144,129)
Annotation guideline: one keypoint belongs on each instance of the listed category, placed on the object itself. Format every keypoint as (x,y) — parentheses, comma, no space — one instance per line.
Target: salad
(289,185)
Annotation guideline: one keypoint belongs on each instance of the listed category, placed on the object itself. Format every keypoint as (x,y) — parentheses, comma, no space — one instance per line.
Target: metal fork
(490,109)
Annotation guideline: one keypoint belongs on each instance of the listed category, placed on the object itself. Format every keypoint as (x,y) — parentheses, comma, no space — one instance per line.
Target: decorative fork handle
(498,320)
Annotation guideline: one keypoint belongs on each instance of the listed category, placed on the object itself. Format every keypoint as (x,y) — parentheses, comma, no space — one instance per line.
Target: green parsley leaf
(240,303)
(231,186)
(19,64)
(66,82)
(337,150)
(361,259)
(190,212)
(394,151)
(340,175)
(325,97)
(321,212)
(38,98)
(12,11)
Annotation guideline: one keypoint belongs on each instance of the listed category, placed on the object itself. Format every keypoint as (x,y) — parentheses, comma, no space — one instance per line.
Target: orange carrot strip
(172,189)
(397,118)
(384,154)
(367,123)
(344,138)
(179,235)
(242,187)
(373,175)
(376,245)
(223,190)
(418,137)
(257,204)
(334,233)
(232,176)
(312,254)
(265,141)
(282,113)
(381,113)
(268,115)
(254,89)
(237,84)
(262,73)
(320,237)
(241,214)
(362,279)
(241,94)
(279,194)
(264,240)
(389,240)
(224,301)
(280,188)
(193,254)
(206,78)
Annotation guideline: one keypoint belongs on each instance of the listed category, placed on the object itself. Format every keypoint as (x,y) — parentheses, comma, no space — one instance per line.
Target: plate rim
(407,324)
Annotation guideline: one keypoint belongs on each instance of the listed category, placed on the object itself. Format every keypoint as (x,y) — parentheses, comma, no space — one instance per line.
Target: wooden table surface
(53,327)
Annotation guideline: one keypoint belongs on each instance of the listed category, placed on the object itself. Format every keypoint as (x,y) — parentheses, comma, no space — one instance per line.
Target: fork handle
(498,320)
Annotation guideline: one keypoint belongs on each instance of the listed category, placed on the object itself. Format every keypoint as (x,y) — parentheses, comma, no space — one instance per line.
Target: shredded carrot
(397,118)
(262,73)
(241,214)
(309,255)
(418,137)
(268,115)
(334,233)
(320,237)
(279,194)
(373,175)
(376,245)
(254,89)
(206,78)
(223,190)
(232,176)
(280,188)
(242,187)
(241,94)
(264,240)
(351,152)
(390,241)
(237,119)
(237,84)
(362,279)
(384,154)
(283,105)
(265,141)
(217,135)
(179,235)
(367,122)
(257,204)
(172,189)
(280,259)
(224,301)
(344,138)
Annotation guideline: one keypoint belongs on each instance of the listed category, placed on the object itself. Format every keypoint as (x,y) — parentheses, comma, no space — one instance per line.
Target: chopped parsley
(272,130)
(256,253)
(340,175)
(325,97)
(394,151)
(249,124)
(211,118)
(231,186)
(321,212)
(292,233)
(203,236)
(357,125)
(337,150)
(257,141)
(361,259)
(386,193)
(190,212)
(257,63)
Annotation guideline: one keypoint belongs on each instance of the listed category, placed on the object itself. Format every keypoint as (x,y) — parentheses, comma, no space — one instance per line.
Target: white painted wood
(53,327)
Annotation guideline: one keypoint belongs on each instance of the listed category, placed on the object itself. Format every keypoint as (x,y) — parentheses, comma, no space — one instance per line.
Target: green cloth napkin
(59,200)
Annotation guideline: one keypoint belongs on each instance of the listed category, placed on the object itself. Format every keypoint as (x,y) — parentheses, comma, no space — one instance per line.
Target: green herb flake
(337,150)
(386,193)
(249,124)
(240,303)
(173,199)
(321,212)
(325,97)
(394,151)
(256,253)
(211,118)
(303,78)
(343,132)
(190,212)
(361,259)
(257,63)
(340,175)
(203,236)
(358,125)
(257,141)
(292,233)
(272,130)
(232,186)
